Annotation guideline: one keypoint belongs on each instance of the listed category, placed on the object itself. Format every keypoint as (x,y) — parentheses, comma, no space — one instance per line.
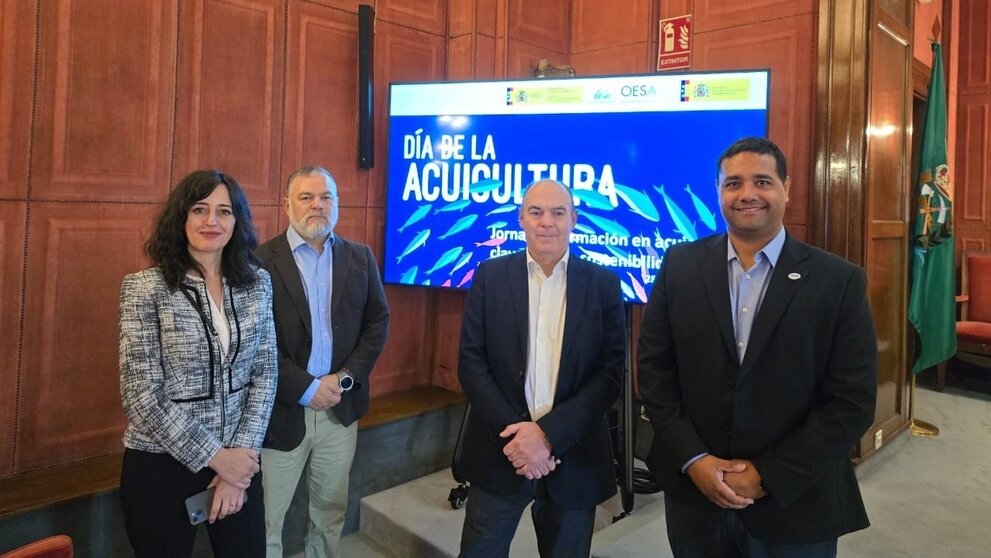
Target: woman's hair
(168,246)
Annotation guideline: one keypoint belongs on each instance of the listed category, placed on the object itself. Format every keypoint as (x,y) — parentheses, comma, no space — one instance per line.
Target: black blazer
(360,319)
(492,369)
(796,406)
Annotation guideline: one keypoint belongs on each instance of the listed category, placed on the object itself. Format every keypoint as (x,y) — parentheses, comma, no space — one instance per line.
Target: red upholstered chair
(59,546)
(974,327)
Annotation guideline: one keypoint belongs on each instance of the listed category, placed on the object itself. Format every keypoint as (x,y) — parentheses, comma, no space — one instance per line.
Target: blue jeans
(491,521)
(702,533)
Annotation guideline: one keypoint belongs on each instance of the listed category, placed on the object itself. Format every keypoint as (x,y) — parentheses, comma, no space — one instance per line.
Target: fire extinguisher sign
(674,47)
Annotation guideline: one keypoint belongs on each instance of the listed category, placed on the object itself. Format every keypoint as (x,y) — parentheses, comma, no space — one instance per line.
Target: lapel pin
(794,276)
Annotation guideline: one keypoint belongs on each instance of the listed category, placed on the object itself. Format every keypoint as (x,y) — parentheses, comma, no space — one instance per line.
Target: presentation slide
(638,153)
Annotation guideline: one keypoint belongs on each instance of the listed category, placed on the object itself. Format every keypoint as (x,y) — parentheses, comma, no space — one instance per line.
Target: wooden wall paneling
(975,47)
(889,197)
(972,188)
(69,373)
(788,51)
(461,57)
(401,54)
(17,52)
(407,358)
(522,58)
(13,217)
(351,223)
(322,98)
(460,17)
(836,215)
(447,333)
(622,59)
(229,111)
(900,11)
(424,15)
(724,14)
(485,57)
(104,103)
(671,8)
(269,221)
(488,14)
(545,24)
(602,25)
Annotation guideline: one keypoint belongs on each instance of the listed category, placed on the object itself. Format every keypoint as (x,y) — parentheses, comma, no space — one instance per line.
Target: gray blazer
(360,320)
(181,396)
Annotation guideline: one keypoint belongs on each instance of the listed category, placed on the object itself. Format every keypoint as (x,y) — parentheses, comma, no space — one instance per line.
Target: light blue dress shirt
(317,272)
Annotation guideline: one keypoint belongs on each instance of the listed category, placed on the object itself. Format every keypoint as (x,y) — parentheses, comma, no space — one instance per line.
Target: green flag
(931,306)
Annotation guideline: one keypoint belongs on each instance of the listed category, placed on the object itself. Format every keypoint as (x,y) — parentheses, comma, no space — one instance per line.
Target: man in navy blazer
(758,369)
(543,346)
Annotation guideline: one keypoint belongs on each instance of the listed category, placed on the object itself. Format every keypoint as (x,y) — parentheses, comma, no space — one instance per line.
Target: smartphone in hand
(198,506)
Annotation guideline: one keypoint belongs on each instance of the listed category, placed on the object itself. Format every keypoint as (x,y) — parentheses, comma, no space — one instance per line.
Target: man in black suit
(543,345)
(331,321)
(758,368)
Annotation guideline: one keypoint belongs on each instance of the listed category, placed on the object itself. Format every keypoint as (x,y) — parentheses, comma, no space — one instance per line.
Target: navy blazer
(797,404)
(360,320)
(492,365)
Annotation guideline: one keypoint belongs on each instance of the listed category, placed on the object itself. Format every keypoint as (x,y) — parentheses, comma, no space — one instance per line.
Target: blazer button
(522,373)
(727,429)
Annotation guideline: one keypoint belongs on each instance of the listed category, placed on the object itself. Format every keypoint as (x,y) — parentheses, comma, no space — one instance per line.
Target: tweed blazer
(182,396)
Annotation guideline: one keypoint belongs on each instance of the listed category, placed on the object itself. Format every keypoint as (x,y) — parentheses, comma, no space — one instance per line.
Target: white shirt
(547,309)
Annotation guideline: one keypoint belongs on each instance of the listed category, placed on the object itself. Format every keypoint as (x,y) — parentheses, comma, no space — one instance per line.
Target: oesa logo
(602,95)
(641,90)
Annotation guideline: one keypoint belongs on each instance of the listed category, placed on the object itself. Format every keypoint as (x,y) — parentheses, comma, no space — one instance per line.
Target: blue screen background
(663,165)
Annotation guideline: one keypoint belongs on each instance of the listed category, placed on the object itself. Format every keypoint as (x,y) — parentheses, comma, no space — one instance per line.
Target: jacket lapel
(716,279)
(342,262)
(577,286)
(288,273)
(786,278)
(520,295)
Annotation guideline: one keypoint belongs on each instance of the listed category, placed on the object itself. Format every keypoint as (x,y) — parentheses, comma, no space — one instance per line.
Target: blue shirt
(747,287)
(317,272)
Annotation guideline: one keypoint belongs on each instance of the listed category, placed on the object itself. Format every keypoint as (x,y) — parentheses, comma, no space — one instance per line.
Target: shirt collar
(771,250)
(295,241)
(532,265)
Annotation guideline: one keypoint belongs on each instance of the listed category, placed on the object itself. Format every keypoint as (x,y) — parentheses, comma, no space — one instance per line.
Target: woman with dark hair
(198,370)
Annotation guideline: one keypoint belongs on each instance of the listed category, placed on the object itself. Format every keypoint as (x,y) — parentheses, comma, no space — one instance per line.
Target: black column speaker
(366,86)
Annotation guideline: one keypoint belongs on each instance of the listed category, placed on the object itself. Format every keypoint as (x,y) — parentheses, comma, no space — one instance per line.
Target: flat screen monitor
(637,151)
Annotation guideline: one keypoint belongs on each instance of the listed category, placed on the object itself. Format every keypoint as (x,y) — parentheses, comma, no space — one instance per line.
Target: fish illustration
(426,283)
(486,185)
(454,206)
(464,259)
(583,228)
(446,259)
(627,291)
(607,225)
(638,201)
(685,227)
(417,215)
(492,242)
(638,288)
(707,216)
(446,283)
(409,277)
(497,225)
(467,277)
(617,252)
(592,199)
(460,225)
(502,209)
(596,257)
(418,241)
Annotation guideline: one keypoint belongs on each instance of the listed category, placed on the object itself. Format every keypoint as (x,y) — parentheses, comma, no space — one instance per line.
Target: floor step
(415,520)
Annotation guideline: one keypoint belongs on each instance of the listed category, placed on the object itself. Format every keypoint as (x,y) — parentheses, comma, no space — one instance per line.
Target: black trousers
(491,521)
(153,491)
(697,533)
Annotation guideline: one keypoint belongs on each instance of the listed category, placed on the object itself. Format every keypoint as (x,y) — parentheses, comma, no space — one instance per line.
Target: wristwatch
(345,379)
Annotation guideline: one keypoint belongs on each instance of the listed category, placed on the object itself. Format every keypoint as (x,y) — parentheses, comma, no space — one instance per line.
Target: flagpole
(919,427)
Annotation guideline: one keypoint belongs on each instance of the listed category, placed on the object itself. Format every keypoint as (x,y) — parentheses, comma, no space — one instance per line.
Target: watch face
(346,382)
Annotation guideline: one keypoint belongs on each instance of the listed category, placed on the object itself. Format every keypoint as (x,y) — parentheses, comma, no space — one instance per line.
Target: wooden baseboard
(45,487)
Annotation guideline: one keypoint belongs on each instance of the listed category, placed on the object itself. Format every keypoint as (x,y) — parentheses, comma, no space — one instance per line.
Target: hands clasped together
(529,451)
(733,484)
(234,468)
